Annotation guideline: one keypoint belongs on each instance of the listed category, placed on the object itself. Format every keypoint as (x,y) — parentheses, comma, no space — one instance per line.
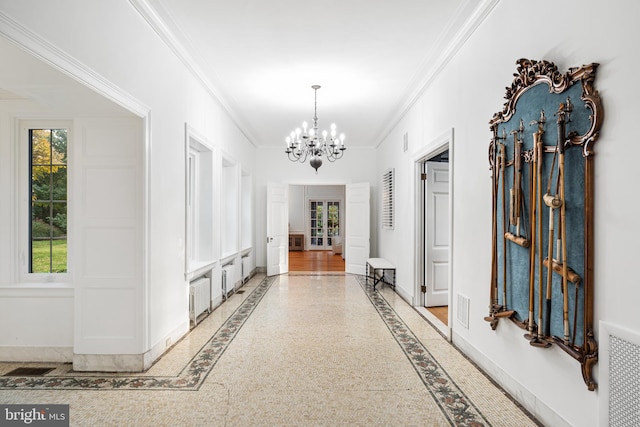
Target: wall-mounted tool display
(542,208)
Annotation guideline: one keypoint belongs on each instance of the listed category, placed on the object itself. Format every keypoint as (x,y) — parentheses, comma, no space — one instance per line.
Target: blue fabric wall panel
(528,108)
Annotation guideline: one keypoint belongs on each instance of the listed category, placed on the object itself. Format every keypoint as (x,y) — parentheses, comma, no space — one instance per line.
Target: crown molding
(68,65)
(163,24)
(467,28)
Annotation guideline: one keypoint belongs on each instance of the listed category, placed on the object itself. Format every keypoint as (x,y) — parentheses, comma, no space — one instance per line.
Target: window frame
(326,238)
(23,207)
(200,169)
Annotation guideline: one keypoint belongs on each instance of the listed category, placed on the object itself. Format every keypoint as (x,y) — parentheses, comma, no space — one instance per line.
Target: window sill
(198,268)
(228,257)
(37,289)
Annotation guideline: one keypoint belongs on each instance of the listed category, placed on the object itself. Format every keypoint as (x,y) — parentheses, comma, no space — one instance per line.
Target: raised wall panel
(112,195)
(20,330)
(103,140)
(117,305)
(110,252)
(109,276)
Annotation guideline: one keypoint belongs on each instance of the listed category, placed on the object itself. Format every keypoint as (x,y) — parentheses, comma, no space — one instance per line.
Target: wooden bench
(376,268)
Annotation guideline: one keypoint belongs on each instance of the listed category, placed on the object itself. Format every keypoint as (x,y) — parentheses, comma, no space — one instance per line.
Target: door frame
(432,149)
(343,219)
(281,241)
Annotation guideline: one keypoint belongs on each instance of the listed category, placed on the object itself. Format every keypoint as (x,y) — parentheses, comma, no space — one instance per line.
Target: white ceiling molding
(69,66)
(177,41)
(466,30)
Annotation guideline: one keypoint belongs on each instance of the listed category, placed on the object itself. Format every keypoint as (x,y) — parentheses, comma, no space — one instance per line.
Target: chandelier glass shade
(309,143)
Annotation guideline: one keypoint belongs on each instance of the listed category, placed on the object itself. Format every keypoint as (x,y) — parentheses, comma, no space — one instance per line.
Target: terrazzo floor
(294,350)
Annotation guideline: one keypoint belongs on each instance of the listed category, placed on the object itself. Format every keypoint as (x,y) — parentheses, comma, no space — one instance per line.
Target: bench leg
(376,281)
(381,279)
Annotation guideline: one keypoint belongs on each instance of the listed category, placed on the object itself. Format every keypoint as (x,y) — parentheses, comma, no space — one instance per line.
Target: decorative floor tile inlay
(453,403)
(457,407)
(190,378)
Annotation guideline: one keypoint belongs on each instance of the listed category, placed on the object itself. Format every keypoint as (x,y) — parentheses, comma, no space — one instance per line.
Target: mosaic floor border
(455,405)
(190,378)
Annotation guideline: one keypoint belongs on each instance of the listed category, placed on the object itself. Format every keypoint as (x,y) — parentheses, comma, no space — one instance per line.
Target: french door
(324,223)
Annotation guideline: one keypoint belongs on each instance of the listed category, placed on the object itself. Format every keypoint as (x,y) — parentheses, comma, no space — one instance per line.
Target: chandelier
(303,143)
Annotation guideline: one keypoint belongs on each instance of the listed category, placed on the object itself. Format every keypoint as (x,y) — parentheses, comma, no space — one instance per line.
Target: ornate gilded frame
(530,74)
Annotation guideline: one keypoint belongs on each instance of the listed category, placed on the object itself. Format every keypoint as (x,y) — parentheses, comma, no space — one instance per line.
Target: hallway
(299,350)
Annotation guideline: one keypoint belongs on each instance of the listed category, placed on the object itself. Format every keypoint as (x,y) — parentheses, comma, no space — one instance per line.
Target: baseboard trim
(158,350)
(520,393)
(36,354)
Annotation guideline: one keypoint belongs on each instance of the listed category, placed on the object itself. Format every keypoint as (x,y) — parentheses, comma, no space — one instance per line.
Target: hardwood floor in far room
(442,313)
(315,261)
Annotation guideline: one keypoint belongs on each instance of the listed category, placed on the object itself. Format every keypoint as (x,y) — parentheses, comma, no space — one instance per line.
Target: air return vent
(620,376)
(462,311)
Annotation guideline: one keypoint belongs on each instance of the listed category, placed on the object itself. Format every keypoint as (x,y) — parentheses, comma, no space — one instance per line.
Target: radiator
(246,268)
(227,280)
(199,298)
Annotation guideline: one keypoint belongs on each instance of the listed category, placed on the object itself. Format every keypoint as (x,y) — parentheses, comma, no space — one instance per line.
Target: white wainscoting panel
(110,252)
(112,195)
(109,230)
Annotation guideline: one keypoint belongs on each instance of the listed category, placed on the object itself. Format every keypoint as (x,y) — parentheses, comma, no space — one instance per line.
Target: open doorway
(355,230)
(316,228)
(434,233)
(435,189)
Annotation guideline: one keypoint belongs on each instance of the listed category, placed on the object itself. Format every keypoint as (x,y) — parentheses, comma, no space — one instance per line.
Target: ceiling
(260,58)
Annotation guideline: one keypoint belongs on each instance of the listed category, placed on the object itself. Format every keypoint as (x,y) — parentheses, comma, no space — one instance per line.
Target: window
(317,224)
(199,203)
(387,200)
(325,222)
(47,200)
(333,220)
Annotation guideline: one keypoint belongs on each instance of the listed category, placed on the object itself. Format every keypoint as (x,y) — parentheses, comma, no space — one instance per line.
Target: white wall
(134,61)
(296,209)
(464,97)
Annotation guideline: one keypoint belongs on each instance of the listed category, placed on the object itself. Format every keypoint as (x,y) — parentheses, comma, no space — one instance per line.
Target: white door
(437,234)
(356,243)
(277,229)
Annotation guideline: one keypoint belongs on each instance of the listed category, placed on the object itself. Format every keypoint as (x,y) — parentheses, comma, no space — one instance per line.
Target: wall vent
(619,379)
(462,310)
(387,199)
